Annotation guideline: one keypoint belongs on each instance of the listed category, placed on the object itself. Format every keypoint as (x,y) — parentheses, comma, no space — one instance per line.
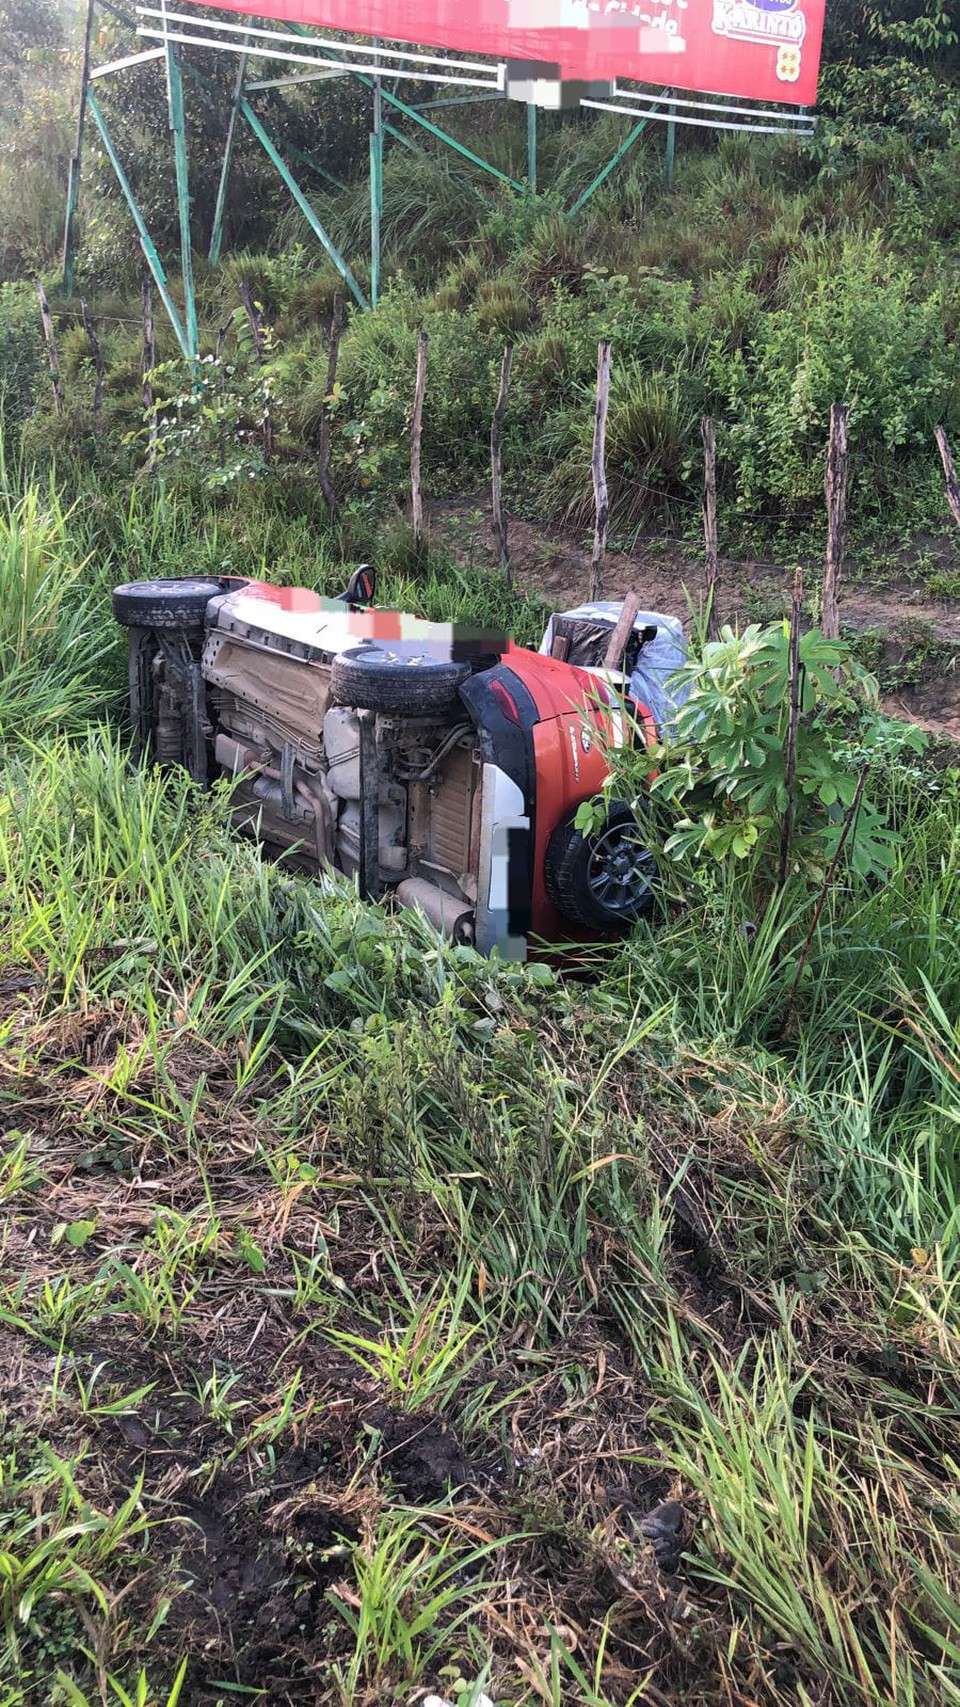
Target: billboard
(761,50)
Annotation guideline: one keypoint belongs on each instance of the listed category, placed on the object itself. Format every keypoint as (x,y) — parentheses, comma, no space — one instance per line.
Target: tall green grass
(51,620)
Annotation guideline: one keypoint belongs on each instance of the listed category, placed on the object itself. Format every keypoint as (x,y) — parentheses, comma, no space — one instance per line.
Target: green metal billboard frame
(239,111)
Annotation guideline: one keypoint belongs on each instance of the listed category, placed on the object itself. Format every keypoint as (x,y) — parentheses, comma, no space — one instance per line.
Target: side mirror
(361,589)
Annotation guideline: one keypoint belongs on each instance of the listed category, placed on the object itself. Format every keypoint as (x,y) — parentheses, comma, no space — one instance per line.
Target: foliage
(50,640)
(925,28)
(20,358)
(33,175)
(727,776)
(220,418)
(855,330)
(31,32)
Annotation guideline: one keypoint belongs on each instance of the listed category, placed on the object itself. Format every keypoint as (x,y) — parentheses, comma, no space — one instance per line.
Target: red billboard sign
(763,50)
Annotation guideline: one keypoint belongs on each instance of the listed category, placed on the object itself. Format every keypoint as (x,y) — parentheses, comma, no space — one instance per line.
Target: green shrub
(376,375)
(729,778)
(650,432)
(857,331)
(503,306)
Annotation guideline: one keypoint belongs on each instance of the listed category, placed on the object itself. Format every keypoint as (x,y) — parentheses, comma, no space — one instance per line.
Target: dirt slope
(911,635)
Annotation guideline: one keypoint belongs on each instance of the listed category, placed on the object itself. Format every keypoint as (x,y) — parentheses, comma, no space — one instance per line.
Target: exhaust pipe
(449,915)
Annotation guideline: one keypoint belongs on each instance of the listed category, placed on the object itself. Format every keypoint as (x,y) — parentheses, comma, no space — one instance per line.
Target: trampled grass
(362,1303)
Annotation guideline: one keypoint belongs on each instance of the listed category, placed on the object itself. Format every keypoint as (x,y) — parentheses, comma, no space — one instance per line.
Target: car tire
(400,683)
(164,604)
(604,880)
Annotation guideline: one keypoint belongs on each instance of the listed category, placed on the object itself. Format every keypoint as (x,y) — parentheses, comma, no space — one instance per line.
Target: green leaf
(76,1233)
(251,1253)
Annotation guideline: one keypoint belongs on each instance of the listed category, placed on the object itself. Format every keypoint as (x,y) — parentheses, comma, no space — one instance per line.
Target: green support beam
(146,241)
(604,173)
(457,101)
(303,204)
(178,128)
(376,191)
(532,148)
(376,211)
(671,153)
(216,235)
(413,113)
(73,182)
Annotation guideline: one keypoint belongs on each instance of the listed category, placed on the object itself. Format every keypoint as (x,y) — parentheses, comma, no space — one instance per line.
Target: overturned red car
(439,764)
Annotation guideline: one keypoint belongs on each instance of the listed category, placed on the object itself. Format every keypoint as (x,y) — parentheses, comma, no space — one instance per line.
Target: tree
(865,30)
(32,34)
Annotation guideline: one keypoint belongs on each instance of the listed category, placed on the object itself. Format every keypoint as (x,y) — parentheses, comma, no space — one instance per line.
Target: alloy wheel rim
(621,870)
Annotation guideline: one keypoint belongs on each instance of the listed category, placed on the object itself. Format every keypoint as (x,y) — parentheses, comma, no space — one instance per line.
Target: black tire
(164,604)
(402,682)
(603,881)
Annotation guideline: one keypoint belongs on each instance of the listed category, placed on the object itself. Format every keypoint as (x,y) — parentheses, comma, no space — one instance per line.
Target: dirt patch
(909,623)
(254,1582)
(934,705)
(423,1459)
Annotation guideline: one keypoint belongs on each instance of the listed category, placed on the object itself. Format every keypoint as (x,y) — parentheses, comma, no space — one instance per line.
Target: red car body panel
(579,719)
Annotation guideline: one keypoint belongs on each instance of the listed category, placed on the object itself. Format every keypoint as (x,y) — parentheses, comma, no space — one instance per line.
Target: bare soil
(914,634)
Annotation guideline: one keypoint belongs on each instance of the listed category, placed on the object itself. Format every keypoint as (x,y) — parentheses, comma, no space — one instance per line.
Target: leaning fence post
(835,486)
(615,655)
(416,430)
(601,502)
(496,464)
(950,473)
(98,366)
(711,557)
(149,363)
(50,339)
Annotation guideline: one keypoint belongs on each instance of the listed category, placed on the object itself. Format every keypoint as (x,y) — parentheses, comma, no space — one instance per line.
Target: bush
(376,375)
(854,330)
(650,432)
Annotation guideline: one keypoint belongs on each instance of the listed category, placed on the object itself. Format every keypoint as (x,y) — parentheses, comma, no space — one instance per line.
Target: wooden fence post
(416,430)
(50,339)
(98,366)
(711,557)
(949,473)
(255,318)
(496,465)
(622,630)
(600,499)
(326,419)
(793,727)
(223,333)
(149,363)
(835,486)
